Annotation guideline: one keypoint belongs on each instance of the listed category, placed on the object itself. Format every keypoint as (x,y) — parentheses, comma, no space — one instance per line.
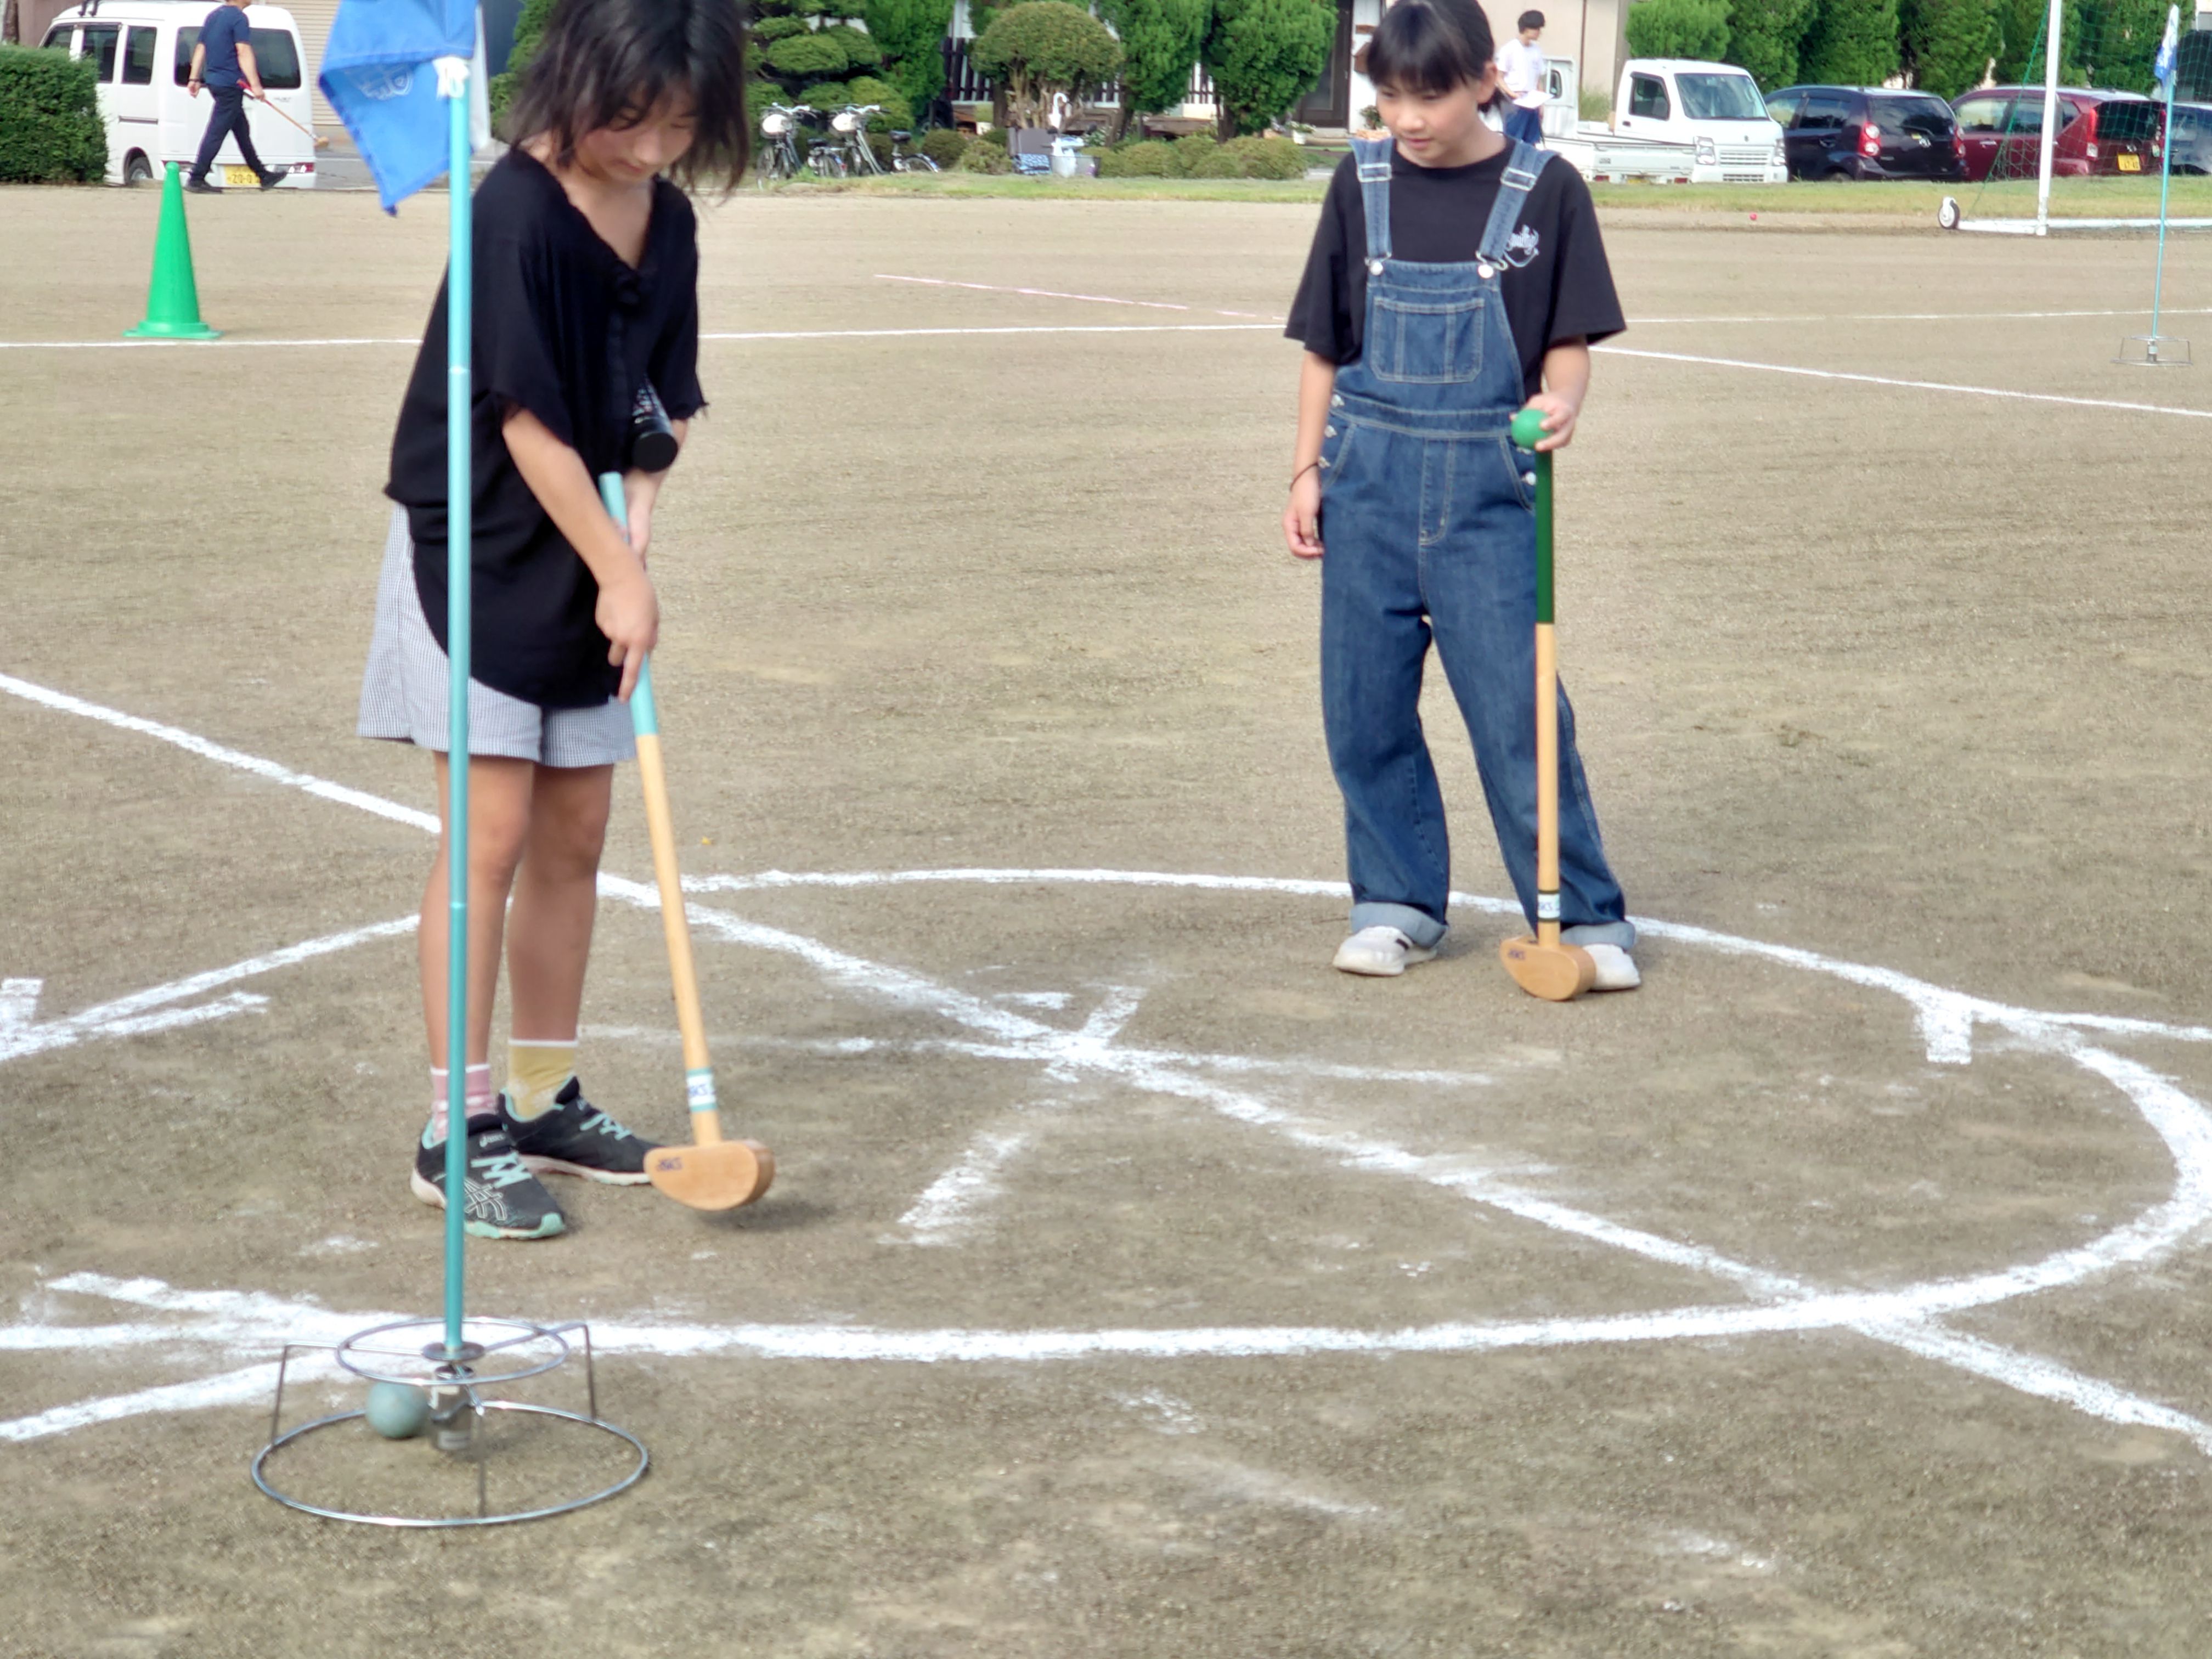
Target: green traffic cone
(172,297)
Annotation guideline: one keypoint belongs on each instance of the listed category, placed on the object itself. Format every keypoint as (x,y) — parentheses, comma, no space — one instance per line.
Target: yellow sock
(536,1072)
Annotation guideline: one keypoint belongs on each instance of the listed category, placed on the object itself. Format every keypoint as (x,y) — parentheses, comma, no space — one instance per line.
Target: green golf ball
(1528,428)
(398,1411)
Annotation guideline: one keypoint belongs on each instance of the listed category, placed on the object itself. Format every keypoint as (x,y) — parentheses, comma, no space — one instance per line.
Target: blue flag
(380,75)
(2162,69)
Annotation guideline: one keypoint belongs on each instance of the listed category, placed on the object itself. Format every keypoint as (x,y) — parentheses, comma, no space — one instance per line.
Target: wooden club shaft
(705,1124)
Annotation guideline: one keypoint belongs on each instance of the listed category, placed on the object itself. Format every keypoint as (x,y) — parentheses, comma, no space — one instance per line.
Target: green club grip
(1528,431)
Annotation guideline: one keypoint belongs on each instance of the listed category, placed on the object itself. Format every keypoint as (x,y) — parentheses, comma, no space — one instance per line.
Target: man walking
(223,62)
(1521,66)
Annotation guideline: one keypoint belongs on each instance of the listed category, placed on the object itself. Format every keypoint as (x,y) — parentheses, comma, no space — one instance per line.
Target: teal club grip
(1528,431)
(644,714)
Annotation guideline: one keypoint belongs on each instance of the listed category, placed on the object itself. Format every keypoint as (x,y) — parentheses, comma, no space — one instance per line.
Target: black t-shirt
(225,28)
(564,329)
(1557,283)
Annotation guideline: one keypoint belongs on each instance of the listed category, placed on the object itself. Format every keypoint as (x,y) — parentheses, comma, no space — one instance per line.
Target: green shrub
(908,32)
(828,96)
(1150,158)
(860,51)
(985,158)
(820,53)
(867,89)
(1852,42)
(1185,154)
(995,136)
(1042,47)
(1266,156)
(1159,43)
(50,127)
(1679,28)
(943,146)
(1265,55)
(1221,162)
(759,95)
(770,30)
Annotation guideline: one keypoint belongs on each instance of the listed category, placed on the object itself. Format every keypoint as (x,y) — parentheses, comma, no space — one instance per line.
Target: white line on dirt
(1928,316)
(1787,1304)
(1037,328)
(1087,298)
(226,345)
(947,1206)
(1908,386)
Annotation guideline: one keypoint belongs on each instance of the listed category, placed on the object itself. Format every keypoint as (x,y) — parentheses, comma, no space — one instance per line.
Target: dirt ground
(1134,1284)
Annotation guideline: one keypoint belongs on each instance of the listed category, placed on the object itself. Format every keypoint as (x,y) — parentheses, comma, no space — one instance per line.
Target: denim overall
(1428,515)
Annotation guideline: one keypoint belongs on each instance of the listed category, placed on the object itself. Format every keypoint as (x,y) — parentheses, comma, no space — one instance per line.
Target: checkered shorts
(403,691)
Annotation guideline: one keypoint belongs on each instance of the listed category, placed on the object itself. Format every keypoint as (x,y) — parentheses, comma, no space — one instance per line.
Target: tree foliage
(1159,43)
(909,32)
(1042,47)
(1679,28)
(1764,37)
(1264,56)
(529,30)
(1947,43)
(1851,43)
(2119,40)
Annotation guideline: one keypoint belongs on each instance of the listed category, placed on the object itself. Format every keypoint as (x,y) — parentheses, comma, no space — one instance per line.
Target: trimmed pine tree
(1851,43)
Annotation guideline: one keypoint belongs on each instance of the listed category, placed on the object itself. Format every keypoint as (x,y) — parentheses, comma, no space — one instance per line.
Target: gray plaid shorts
(403,691)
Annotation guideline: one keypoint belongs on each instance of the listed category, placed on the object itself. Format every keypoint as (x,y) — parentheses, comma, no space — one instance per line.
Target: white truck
(1675,120)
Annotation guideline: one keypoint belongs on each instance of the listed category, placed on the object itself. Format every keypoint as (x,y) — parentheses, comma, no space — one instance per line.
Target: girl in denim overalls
(1403,457)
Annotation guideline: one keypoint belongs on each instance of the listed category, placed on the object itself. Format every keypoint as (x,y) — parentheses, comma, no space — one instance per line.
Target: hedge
(50,127)
(1679,28)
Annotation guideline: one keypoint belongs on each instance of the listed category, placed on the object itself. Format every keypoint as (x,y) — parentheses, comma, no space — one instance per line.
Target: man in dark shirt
(223,62)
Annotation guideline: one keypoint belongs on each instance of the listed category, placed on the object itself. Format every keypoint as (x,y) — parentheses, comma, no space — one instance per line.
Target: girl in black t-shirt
(586,290)
(1454,277)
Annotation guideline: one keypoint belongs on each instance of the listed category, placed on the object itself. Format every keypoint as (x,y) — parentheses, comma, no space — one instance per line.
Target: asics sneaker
(501,1198)
(1382,951)
(576,1137)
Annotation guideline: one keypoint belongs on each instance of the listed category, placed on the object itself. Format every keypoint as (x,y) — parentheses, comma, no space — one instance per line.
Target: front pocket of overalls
(1426,343)
(1335,445)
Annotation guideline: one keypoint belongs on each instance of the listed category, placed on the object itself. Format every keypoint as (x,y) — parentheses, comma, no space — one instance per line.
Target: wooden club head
(718,1176)
(1557,973)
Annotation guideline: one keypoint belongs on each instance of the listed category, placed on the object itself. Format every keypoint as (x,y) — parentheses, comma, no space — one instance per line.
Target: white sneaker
(1616,969)
(1383,952)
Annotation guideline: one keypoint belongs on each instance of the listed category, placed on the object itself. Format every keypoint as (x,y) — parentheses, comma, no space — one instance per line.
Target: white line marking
(917,333)
(215,751)
(1087,298)
(143,1011)
(1908,386)
(249,1322)
(946,1207)
(1926,316)
(1789,1305)
(226,344)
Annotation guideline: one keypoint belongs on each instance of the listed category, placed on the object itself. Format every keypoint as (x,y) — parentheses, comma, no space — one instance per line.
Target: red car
(2116,132)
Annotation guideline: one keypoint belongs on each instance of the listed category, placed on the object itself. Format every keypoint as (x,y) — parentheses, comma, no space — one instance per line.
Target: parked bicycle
(908,160)
(781,127)
(848,151)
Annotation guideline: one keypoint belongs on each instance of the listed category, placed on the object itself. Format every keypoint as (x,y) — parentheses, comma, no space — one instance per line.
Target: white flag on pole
(2161,67)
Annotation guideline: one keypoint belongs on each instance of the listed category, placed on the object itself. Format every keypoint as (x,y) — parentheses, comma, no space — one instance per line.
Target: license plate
(245,176)
(2131,164)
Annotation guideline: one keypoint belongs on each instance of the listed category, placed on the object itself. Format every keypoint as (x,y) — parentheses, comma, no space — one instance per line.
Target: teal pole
(459,568)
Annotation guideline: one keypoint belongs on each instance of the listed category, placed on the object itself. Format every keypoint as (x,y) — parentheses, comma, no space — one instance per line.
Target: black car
(1867,132)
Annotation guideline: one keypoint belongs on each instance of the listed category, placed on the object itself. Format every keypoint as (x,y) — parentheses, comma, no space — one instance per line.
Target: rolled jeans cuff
(1622,933)
(1419,926)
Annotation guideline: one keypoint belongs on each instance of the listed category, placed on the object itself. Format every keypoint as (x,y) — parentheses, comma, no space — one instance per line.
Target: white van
(1714,108)
(143,52)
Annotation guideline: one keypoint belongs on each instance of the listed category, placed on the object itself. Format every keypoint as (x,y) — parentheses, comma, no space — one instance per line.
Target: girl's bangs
(1416,50)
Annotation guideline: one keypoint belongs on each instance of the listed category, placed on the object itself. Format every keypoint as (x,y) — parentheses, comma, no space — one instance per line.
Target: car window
(274,55)
(1647,96)
(2025,115)
(2127,120)
(138,58)
(99,44)
(1720,97)
(58,37)
(1781,108)
(1911,118)
(1824,113)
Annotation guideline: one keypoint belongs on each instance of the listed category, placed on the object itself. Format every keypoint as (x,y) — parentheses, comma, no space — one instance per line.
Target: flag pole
(453,89)
(2166,164)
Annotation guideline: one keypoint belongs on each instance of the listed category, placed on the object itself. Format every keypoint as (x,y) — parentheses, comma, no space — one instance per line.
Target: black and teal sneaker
(501,1198)
(577,1139)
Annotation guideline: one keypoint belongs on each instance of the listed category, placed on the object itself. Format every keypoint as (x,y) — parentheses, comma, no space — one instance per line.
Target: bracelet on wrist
(1311,466)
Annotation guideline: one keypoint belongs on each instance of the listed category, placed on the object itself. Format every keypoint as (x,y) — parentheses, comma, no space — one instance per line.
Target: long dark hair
(607,62)
(1430,45)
